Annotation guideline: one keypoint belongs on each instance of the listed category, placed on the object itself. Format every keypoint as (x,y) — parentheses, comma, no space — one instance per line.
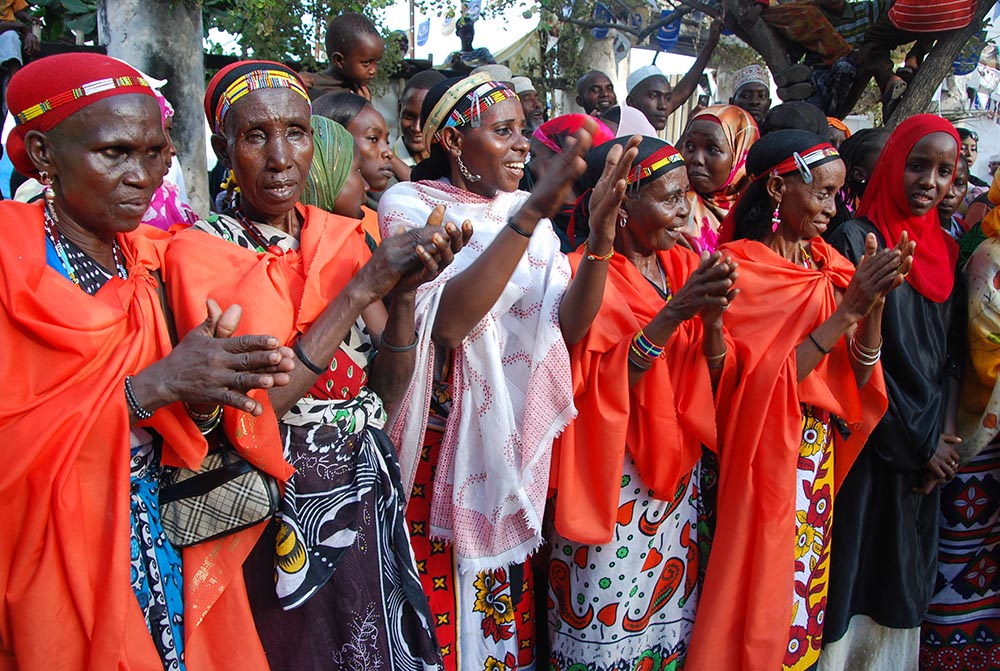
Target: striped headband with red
(663,159)
(802,161)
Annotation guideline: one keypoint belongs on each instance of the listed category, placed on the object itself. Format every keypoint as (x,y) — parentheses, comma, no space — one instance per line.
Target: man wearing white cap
(752,91)
(650,92)
(534,111)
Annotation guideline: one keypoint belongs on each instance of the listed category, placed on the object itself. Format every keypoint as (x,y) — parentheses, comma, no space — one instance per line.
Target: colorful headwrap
(801,162)
(333,155)
(235,81)
(655,158)
(553,133)
(751,74)
(886,206)
(47,91)
(462,102)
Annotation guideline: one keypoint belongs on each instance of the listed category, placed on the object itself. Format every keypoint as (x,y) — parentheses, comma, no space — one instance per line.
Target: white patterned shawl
(511,387)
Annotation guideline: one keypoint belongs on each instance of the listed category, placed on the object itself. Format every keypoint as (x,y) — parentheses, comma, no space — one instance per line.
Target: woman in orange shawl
(629,514)
(807,332)
(338,561)
(715,146)
(93,401)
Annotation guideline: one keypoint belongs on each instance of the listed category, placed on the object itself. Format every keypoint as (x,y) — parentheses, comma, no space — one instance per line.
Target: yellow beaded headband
(88,89)
(255,81)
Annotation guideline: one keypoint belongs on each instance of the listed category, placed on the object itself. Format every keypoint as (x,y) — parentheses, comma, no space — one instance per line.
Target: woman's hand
(207,370)
(550,192)
(710,287)
(411,257)
(943,464)
(608,194)
(878,273)
(711,315)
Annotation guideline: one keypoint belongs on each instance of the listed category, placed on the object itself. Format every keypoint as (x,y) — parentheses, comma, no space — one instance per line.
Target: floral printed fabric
(485,620)
(813,515)
(630,604)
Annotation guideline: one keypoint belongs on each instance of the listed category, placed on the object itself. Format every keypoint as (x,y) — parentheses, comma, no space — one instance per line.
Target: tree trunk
(759,37)
(935,67)
(163,38)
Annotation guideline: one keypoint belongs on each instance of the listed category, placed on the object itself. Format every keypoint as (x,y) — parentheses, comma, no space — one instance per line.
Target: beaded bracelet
(398,348)
(646,346)
(595,257)
(205,423)
(638,364)
(133,402)
(306,361)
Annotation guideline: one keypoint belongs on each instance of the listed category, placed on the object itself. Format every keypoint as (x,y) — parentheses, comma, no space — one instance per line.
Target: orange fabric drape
(369,222)
(280,295)
(744,615)
(64,436)
(663,420)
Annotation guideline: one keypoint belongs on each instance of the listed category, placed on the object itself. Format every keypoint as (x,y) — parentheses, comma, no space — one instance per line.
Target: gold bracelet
(717,357)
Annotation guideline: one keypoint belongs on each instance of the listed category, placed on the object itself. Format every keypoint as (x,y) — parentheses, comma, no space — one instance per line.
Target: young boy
(354,48)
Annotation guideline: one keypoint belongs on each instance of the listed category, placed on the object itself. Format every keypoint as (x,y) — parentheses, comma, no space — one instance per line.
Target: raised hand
(608,194)
(550,192)
(711,315)
(435,247)
(710,287)
(207,370)
(878,273)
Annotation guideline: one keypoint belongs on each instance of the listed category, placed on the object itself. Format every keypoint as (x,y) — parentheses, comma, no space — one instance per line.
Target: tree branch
(935,67)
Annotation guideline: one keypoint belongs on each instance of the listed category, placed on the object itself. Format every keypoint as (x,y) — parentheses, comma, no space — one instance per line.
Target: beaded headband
(801,161)
(665,157)
(255,81)
(88,89)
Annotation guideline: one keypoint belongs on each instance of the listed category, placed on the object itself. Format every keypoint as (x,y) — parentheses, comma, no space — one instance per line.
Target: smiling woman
(491,387)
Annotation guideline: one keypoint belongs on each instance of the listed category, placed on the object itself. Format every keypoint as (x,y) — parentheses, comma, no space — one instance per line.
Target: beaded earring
(46,181)
(776,217)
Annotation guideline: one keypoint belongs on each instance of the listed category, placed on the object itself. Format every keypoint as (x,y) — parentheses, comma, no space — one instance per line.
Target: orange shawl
(662,421)
(744,616)
(64,432)
(280,296)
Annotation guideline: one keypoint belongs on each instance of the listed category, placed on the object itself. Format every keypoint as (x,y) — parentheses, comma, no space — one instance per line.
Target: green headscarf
(333,155)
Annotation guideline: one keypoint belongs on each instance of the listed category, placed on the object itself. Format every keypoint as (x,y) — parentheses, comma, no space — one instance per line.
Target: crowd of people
(523,393)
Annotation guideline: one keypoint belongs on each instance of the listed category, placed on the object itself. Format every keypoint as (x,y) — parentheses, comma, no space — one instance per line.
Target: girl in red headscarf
(883,566)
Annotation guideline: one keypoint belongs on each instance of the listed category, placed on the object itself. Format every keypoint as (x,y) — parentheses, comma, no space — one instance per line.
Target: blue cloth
(156,565)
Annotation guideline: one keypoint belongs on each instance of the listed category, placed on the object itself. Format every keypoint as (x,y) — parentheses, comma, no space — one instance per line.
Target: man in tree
(595,93)
(468,59)
(650,92)
(752,91)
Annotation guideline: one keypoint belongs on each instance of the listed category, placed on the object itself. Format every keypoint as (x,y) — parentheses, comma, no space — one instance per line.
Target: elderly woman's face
(269,148)
(708,156)
(657,214)
(106,161)
(806,209)
(497,150)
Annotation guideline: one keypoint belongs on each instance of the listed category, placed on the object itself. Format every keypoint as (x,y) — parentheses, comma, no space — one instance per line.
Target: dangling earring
(776,217)
(46,181)
(469,177)
(622,221)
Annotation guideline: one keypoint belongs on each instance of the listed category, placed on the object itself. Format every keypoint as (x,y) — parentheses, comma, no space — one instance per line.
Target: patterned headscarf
(235,81)
(709,209)
(45,92)
(333,155)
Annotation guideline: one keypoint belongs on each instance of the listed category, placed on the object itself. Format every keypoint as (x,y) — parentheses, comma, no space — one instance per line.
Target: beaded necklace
(256,236)
(52,232)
